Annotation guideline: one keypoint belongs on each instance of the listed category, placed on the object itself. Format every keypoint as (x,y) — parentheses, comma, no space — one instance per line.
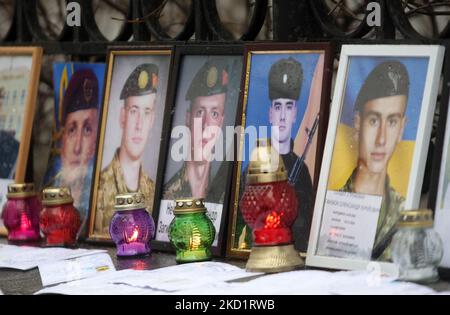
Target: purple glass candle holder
(131,227)
(21,213)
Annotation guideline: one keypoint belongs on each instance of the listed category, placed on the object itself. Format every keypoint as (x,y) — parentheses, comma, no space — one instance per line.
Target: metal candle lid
(21,190)
(130,201)
(189,206)
(54,196)
(266,165)
(422,218)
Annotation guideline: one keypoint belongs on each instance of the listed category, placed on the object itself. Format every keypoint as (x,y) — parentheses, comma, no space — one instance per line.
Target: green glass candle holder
(191,232)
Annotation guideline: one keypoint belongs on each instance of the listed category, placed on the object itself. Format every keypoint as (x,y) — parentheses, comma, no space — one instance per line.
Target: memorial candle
(269,206)
(21,213)
(131,227)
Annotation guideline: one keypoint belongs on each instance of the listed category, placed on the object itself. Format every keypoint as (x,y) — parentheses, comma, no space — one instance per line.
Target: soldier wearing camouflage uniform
(380,121)
(125,173)
(207,95)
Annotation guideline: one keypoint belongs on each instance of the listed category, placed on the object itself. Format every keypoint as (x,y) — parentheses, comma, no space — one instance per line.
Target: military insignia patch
(211,79)
(143,80)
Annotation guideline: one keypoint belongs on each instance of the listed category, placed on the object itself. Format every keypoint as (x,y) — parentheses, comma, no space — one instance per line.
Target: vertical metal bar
(22,32)
(140,32)
(201,29)
(292,20)
(387,28)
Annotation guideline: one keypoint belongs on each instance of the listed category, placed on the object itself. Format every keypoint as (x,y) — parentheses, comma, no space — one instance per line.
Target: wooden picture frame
(22,64)
(130,65)
(189,62)
(348,232)
(316,64)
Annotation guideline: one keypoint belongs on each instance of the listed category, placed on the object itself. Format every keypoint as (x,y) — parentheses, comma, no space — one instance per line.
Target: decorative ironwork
(293,20)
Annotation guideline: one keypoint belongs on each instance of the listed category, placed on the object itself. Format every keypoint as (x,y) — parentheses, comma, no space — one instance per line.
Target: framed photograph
(285,98)
(439,196)
(375,152)
(131,131)
(199,158)
(78,94)
(19,79)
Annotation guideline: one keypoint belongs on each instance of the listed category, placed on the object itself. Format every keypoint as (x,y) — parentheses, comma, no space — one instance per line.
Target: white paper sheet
(186,276)
(159,281)
(349,225)
(75,269)
(26,258)
(99,285)
(313,283)
(169,281)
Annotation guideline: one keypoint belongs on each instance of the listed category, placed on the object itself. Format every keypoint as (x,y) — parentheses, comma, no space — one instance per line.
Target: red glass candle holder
(270,210)
(131,227)
(269,206)
(60,220)
(21,213)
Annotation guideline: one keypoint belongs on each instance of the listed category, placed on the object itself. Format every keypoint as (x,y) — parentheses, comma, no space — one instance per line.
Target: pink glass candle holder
(60,220)
(21,213)
(131,227)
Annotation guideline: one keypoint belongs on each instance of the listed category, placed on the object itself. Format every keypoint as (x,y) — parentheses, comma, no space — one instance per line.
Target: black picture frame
(181,51)
(328,50)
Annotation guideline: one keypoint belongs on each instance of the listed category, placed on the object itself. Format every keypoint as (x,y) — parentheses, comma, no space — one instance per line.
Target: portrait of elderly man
(379,123)
(125,172)
(207,95)
(79,137)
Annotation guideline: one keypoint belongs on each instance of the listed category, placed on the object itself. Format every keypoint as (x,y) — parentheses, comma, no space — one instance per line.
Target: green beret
(142,81)
(389,78)
(211,79)
(285,79)
(81,93)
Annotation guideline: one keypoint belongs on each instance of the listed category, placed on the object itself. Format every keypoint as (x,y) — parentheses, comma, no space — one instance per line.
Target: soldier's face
(78,140)
(205,121)
(136,120)
(380,129)
(282,116)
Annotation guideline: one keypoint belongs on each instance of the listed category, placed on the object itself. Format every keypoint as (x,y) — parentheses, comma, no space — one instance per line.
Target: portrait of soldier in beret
(380,121)
(207,96)
(125,172)
(73,166)
(285,80)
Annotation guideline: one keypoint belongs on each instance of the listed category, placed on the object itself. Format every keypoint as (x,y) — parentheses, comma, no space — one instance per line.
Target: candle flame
(195,240)
(133,236)
(273,220)
(25,223)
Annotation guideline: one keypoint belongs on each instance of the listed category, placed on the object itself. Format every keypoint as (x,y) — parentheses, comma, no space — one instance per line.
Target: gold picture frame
(145,55)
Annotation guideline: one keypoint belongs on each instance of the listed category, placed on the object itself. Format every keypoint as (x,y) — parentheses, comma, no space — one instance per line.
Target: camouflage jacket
(112,183)
(391,206)
(178,186)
